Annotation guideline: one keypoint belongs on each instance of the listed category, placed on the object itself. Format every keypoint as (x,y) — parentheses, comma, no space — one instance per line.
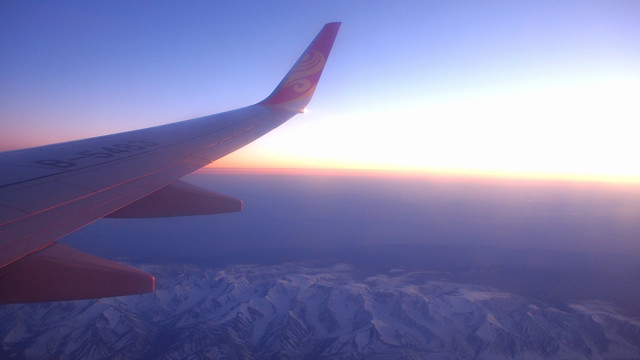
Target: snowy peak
(292,311)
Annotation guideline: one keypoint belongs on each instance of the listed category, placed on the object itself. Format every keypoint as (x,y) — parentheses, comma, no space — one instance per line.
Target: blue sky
(533,89)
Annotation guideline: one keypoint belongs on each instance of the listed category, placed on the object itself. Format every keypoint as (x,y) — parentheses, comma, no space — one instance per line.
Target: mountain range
(308,311)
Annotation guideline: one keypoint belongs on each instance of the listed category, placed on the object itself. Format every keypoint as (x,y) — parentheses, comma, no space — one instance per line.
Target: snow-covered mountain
(303,312)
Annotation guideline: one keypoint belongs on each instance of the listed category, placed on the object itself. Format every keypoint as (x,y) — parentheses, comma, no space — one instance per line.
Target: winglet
(295,90)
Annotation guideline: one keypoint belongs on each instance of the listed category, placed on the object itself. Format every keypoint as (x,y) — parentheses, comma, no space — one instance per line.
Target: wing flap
(179,199)
(60,272)
(19,238)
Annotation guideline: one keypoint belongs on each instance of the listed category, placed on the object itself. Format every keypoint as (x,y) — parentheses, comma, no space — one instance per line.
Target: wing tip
(296,89)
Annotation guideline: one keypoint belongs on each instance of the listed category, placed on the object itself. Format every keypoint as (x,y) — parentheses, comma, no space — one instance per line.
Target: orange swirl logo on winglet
(312,63)
(301,80)
(295,90)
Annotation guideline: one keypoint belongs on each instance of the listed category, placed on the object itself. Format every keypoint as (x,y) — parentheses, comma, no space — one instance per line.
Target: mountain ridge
(300,311)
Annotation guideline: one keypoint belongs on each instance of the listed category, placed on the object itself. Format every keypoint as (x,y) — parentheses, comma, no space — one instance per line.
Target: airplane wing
(50,191)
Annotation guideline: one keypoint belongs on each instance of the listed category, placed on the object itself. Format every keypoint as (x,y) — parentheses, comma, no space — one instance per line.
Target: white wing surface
(48,192)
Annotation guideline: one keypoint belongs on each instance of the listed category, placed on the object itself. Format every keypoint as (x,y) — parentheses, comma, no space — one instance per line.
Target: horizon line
(422,173)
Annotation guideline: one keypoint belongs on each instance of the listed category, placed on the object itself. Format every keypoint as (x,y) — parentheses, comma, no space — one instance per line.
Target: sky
(528,89)
(533,89)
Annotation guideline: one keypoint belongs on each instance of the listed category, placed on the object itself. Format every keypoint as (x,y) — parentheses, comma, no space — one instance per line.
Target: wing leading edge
(50,191)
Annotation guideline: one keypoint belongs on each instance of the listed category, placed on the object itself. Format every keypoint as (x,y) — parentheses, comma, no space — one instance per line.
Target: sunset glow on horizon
(558,135)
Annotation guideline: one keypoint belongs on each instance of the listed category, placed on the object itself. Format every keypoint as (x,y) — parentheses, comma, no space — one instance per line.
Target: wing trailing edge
(179,199)
(60,272)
